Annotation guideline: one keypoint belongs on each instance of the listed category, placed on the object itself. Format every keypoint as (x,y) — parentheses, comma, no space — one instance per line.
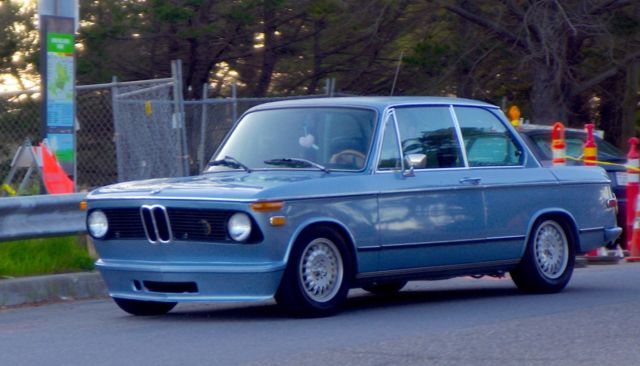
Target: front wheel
(318,274)
(549,259)
(143,308)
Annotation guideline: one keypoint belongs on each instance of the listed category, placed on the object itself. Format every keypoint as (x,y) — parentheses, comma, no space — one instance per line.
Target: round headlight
(239,226)
(97,224)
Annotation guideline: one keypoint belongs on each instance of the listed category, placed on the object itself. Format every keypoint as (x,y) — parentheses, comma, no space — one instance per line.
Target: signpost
(58,19)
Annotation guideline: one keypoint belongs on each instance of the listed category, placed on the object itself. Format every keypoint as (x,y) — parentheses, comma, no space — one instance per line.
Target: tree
(569,48)
(18,44)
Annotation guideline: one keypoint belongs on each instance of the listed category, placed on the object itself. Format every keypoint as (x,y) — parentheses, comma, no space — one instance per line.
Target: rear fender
(559,214)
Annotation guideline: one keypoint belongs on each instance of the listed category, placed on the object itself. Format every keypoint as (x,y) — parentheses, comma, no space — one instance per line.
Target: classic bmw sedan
(306,199)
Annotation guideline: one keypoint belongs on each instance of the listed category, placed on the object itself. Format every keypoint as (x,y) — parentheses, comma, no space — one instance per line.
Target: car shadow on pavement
(358,301)
(366,302)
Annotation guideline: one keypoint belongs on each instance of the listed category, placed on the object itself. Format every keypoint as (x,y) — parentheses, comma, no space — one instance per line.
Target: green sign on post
(59,89)
(60,42)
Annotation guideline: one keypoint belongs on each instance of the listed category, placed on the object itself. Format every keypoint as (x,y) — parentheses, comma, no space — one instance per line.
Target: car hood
(238,186)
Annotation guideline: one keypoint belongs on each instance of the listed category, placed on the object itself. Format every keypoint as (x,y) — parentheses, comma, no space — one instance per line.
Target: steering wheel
(348,156)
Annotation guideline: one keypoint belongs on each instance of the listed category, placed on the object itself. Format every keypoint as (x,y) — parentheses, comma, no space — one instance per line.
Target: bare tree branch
(483,20)
(566,18)
(610,72)
(609,6)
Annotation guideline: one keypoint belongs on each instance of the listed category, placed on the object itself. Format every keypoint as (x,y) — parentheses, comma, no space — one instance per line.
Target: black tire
(144,308)
(318,274)
(549,259)
(384,288)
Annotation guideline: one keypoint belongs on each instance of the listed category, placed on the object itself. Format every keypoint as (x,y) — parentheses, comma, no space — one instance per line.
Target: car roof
(379,103)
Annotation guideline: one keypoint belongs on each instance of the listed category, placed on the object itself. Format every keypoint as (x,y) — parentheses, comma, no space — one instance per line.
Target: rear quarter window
(486,139)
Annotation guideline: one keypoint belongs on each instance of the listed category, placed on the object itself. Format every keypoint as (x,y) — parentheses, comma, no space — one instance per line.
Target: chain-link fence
(126,130)
(95,145)
(149,137)
(19,123)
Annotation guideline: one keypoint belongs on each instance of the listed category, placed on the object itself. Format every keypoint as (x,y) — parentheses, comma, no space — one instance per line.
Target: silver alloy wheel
(321,270)
(551,249)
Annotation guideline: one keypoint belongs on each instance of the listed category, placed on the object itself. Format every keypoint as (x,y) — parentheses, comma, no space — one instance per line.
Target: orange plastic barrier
(634,244)
(590,153)
(558,146)
(55,179)
(633,183)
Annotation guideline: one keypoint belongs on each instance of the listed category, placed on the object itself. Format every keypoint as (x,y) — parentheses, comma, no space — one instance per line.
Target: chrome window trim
(235,124)
(391,111)
(515,137)
(398,139)
(461,145)
(388,113)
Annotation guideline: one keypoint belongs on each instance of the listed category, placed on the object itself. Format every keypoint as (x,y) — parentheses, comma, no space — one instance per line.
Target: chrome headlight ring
(97,224)
(239,227)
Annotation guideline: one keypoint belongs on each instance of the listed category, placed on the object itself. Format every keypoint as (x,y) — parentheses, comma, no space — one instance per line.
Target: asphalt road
(595,321)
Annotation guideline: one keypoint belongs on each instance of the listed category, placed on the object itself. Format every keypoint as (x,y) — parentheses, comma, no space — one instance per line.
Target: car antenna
(395,77)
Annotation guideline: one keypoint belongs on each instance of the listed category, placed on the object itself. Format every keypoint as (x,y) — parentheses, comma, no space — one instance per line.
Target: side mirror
(414,161)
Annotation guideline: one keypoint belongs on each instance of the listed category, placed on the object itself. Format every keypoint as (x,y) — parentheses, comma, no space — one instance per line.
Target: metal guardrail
(41,216)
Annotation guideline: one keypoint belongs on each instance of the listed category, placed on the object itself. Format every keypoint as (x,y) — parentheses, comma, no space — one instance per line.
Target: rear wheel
(138,307)
(549,259)
(384,288)
(318,275)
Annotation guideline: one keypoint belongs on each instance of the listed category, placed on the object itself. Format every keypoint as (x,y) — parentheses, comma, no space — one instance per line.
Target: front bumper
(190,282)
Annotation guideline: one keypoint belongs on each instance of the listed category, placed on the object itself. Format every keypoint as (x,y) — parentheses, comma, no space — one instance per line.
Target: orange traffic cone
(601,256)
(634,244)
(55,179)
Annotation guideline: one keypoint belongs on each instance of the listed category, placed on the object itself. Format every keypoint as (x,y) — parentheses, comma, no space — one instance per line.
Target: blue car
(306,199)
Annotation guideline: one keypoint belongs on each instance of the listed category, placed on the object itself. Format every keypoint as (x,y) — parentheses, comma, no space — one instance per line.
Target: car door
(507,179)
(434,215)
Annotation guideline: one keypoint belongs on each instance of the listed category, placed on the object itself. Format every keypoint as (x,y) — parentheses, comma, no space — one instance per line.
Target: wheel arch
(563,217)
(339,228)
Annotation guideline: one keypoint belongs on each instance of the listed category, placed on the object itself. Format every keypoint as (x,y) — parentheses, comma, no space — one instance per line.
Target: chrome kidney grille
(155,221)
(160,224)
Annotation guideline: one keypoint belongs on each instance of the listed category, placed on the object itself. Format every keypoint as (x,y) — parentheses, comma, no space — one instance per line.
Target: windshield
(299,138)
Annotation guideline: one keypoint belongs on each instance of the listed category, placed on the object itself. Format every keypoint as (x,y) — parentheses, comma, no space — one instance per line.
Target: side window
(390,152)
(486,139)
(430,131)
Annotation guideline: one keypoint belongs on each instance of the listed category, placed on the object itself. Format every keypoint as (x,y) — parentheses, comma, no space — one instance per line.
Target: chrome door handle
(472,181)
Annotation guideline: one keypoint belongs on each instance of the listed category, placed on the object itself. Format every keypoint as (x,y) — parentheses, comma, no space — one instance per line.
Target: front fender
(322,221)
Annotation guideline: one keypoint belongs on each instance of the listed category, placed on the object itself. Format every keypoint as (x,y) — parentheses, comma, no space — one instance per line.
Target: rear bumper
(591,239)
(611,234)
(190,282)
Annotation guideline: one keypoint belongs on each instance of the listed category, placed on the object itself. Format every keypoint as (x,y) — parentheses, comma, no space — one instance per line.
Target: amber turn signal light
(277,220)
(268,206)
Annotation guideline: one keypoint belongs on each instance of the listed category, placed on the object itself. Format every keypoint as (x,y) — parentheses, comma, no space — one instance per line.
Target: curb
(59,287)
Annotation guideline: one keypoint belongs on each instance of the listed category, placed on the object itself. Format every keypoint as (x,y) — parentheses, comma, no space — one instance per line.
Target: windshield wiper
(231,162)
(296,162)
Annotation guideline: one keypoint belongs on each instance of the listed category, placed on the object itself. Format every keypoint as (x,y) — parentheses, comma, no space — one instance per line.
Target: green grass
(44,256)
